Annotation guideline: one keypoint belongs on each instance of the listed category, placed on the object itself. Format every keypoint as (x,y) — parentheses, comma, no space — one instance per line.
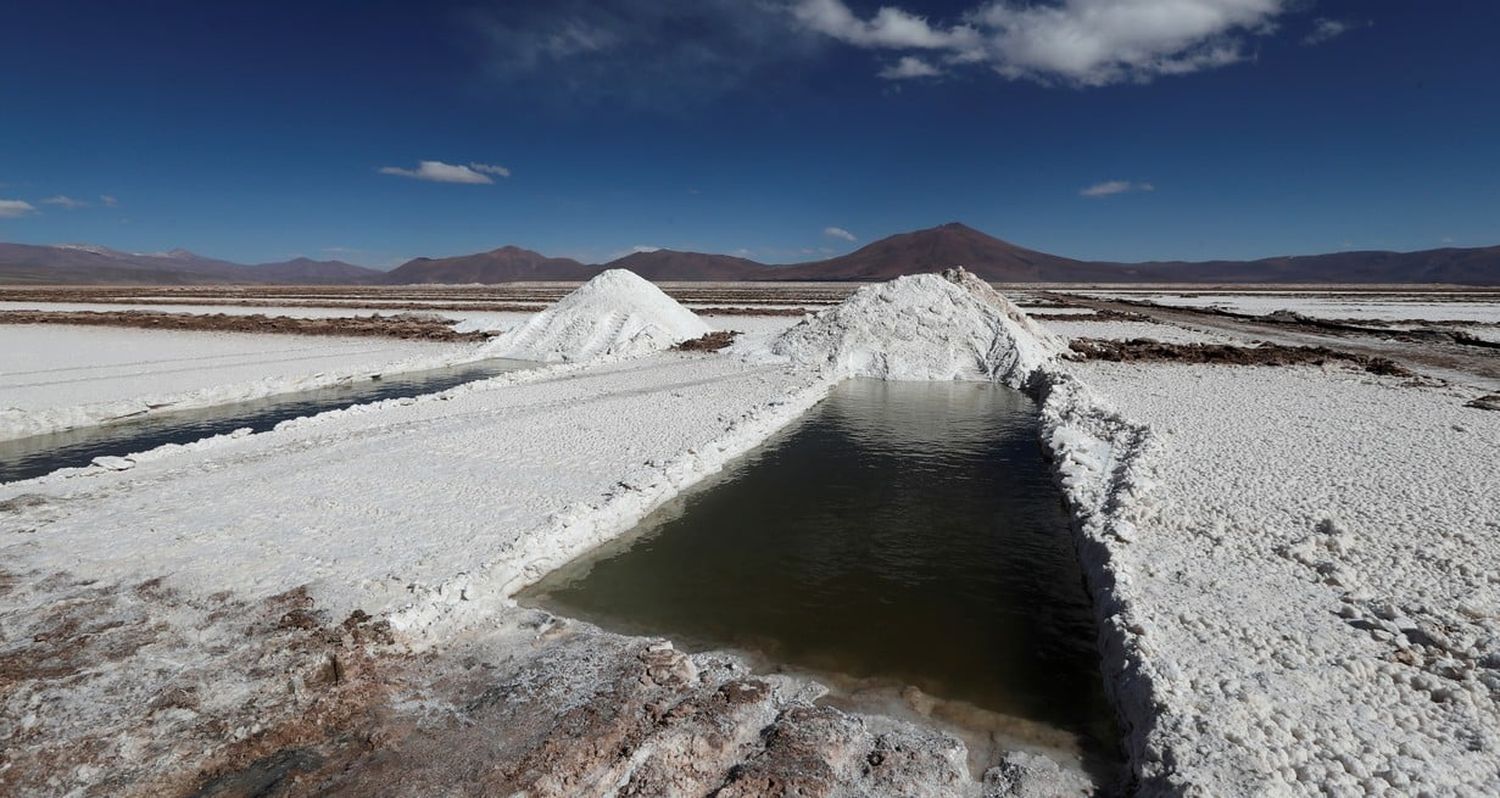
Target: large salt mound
(923,327)
(615,314)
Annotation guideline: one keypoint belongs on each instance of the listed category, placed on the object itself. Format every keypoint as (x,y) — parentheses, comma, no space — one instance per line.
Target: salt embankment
(616,314)
(956,327)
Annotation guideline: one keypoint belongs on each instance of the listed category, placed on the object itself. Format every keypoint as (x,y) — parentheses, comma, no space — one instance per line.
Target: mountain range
(952,244)
(74,264)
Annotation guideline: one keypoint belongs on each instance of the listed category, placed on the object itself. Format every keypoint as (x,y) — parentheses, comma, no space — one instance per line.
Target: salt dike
(951,326)
(616,314)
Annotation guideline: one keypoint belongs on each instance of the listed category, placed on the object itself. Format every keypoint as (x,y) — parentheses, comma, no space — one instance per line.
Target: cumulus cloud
(890,27)
(1111,187)
(10,209)
(839,232)
(63,201)
(439,172)
(490,169)
(1078,42)
(1325,29)
(909,67)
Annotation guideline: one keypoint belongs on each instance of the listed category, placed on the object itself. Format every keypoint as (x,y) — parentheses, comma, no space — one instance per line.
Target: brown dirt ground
(711,342)
(1487,402)
(213,696)
(1142,349)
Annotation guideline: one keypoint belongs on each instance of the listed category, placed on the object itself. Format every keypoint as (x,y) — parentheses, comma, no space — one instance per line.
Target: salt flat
(337,501)
(1481,308)
(1127,330)
(1293,568)
(1317,580)
(466,319)
(56,377)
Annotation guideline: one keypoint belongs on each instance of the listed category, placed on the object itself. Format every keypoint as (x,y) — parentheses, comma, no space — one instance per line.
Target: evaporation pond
(901,534)
(25,458)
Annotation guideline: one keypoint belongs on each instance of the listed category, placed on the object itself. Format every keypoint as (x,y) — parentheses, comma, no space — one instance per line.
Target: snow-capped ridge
(616,314)
(951,326)
(93,249)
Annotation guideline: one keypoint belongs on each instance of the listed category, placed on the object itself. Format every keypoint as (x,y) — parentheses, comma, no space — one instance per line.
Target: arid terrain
(1303,600)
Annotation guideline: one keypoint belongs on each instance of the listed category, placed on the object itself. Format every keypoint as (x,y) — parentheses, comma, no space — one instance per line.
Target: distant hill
(307,270)
(1472,266)
(956,244)
(78,264)
(510,264)
(941,247)
(503,265)
(668,264)
(919,251)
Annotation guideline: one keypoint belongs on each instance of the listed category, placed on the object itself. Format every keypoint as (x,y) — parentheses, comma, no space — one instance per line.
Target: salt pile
(924,327)
(615,314)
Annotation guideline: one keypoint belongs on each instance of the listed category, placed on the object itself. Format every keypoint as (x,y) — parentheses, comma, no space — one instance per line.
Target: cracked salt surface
(1313,582)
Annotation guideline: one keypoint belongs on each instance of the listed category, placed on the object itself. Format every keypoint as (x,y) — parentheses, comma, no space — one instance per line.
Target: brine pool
(904,543)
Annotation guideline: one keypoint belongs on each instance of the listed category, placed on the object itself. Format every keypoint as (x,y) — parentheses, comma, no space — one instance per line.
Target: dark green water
(902,533)
(38,455)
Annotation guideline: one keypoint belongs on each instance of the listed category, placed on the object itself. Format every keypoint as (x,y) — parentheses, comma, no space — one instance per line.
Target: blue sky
(1206,128)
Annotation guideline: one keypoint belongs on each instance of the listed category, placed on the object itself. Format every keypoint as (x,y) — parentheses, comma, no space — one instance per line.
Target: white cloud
(10,209)
(1325,29)
(490,169)
(909,67)
(63,201)
(1112,187)
(890,27)
(439,172)
(109,201)
(1078,42)
(839,232)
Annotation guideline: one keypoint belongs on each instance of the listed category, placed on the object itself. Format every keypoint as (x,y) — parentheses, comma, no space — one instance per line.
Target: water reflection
(904,535)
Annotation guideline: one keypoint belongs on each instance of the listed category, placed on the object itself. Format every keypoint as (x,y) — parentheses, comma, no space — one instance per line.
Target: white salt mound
(952,326)
(616,314)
